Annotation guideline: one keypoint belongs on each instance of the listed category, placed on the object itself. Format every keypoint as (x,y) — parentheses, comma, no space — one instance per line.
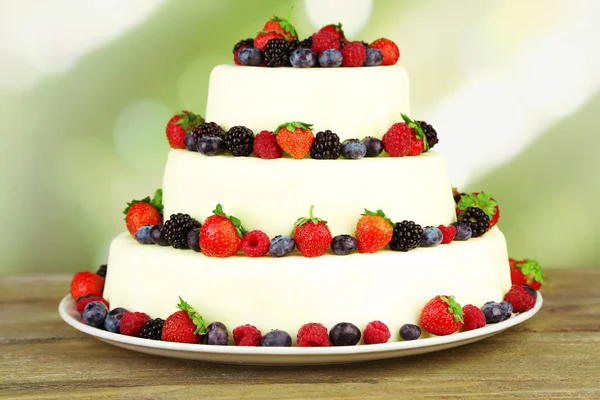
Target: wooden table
(555,355)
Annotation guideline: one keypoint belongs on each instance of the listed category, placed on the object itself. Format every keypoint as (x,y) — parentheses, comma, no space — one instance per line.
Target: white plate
(290,355)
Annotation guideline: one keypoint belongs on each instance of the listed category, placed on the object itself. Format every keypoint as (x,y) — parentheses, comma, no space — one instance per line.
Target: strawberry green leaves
(292,126)
(194,316)
(286,24)
(188,120)
(454,308)
(418,130)
(479,200)
(237,223)
(155,202)
(379,213)
(531,270)
(303,220)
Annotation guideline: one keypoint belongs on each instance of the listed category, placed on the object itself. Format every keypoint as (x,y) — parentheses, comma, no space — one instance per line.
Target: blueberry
(303,58)
(374,57)
(353,149)
(343,244)
(432,236)
(276,338)
(281,245)
(112,322)
(463,231)
(217,334)
(193,241)
(211,145)
(157,235)
(251,56)
(94,313)
(374,146)
(507,308)
(190,143)
(493,312)
(410,332)
(531,290)
(330,58)
(143,235)
(344,334)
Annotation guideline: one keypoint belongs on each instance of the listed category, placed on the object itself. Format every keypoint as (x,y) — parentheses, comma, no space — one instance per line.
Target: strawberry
(418,140)
(322,41)
(282,26)
(221,235)
(88,298)
(373,231)
(144,212)
(295,138)
(85,283)
(312,236)
(526,272)
(179,126)
(442,316)
(260,41)
(334,29)
(390,51)
(185,326)
(481,200)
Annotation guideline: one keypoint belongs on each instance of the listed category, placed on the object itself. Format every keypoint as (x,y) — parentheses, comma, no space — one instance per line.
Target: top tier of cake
(352,102)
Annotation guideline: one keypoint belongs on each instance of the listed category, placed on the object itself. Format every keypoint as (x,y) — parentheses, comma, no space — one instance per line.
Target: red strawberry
(473,316)
(390,51)
(448,233)
(334,29)
(521,297)
(144,212)
(322,41)
(312,236)
(354,55)
(132,323)
(265,146)
(255,243)
(442,316)
(282,26)
(481,200)
(260,41)
(221,235)
(418,140)
(295,138)
(527,272)
(185,326)
(85,283)
(179,125)
(88,298)
(373,231)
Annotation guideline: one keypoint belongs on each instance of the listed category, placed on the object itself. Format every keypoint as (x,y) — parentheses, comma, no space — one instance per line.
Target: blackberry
(326,146)
(177,228)
(407,236)
(152,329)
(244,42)
(277,53)
(476,219)
(102,270)
(301,44)
(207,128)
(430,133)
(240,141)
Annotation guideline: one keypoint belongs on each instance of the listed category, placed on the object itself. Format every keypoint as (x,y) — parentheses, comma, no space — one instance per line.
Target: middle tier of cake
(270,195)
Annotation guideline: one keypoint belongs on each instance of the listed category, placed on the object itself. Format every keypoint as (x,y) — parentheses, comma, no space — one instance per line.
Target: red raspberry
(247,335)
(448,232)
(473,316)
(313,335)
(354,55)
(396,141)
(255,243)
(266,146)
(84,300)
(521,298)
(322,41)
(376,332)
(390,51)
(132,323)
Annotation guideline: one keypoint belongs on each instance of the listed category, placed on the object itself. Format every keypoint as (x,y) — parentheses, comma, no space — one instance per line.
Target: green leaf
(157,201)
(379,213)
(292,126)
(219,210)
(454,308)
(188,120)
(303,220)
(237,223)
(194,316)
(419,133)
(481,200)
(531,270)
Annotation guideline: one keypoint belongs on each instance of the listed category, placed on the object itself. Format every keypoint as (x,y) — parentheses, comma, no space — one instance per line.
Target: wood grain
(555,355)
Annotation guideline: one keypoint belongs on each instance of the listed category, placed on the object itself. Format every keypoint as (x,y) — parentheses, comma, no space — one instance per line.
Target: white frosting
(285,293)
(352,102)
(271,195)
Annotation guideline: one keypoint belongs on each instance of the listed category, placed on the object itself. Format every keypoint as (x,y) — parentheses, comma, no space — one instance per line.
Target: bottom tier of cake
(285,293)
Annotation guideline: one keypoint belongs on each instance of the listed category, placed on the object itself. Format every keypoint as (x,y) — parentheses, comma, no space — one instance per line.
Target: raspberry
(313,335)
(473,316)
(448,232)
(132,323)
(354,54)
(84,300)
(397,140)
(522,298)
(265,146)
(376,332)
(247,335)
(322,41)
(255,243)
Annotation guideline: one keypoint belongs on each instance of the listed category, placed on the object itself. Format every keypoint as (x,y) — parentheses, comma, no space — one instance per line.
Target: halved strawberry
(481,200)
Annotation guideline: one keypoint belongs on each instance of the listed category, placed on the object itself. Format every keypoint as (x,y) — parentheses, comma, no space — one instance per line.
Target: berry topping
(430,133)
(86,283)
(295,138)
(521,297)
(476,218)
(493,312)
(251,57)
(276,338)
(143,235)
(207,129)
(484,201)
(390,51)
(334,29)
(217,334)
(373,231)
(474,317)
(240,141)
(152,329)
(526,272)
(442,316)
(261,40)
(176,229)
(432,236)
(463,231)
(157,235)
(353,149)
(102,270)
(239,46)
(353,54)
(407,236)
(190,142)
(211,146)
(180,125)
(312,236)
(507,308)
(326,146)
(265,146)
(448,233)
(277,53)
(410,332)
(281,245)
(221,235)
(301,44)
(88,298)
(343,244)
(374,57)
(94,313)
(255,243)
(193,239)
(397,140)
(143,212)
(112,322)
(282,26)
(184,326)
(344,334)
(313,335)
(322,41)
(374,146)
(330,58)
(247,335)
(303,58)
(418,140)
(376,332)
(132,323)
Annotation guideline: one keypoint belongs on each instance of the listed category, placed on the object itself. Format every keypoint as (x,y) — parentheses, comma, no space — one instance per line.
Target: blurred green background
(86,89)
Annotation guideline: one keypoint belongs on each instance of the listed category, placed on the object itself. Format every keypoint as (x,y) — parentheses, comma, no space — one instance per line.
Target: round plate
(289,355)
